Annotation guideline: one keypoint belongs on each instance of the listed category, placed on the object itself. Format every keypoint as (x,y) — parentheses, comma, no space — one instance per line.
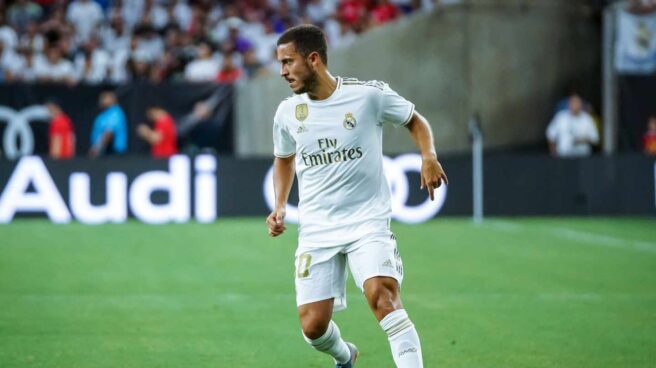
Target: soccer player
(162,137)
(330,134)
(109,134)
(61,136)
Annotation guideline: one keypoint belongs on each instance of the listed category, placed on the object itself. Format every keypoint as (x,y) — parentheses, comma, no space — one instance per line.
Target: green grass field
(508,293)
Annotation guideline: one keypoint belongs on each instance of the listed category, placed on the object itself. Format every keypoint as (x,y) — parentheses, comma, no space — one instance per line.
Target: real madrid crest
(301,115)
(349,121)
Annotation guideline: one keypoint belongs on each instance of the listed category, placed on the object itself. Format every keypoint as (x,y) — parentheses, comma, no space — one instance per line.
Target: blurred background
(126,113)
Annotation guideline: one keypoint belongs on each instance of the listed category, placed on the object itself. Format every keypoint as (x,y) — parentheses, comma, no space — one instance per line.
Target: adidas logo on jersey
(388,263)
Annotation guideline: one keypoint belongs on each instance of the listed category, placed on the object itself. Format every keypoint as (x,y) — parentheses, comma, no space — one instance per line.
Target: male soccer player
(330,134)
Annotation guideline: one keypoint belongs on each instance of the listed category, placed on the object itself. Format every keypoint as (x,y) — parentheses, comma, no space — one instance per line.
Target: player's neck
(326,85)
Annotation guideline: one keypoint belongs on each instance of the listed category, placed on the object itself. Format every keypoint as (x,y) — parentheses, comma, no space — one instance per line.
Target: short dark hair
(307,39)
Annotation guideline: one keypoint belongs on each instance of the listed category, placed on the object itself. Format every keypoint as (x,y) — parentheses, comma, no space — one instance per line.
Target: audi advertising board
(205,187)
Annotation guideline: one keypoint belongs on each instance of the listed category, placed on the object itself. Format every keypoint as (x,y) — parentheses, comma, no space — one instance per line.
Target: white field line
(586,237)
(604,240)
(503,225)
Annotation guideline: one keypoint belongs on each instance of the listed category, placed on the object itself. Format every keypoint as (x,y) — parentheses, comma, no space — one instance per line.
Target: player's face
(296,69)
(575,105)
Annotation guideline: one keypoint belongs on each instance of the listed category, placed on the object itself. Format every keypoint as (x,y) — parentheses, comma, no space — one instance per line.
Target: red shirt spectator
(350,11)
(649,139)
(229,73)
(168,145)
(163,138)
(61,137)
(384,11)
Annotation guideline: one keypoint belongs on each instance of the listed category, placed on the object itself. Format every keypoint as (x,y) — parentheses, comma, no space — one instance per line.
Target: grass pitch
(508,293)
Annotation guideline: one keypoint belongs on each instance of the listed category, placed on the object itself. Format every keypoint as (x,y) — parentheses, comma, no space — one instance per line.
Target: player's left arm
(432,173)
(151,136)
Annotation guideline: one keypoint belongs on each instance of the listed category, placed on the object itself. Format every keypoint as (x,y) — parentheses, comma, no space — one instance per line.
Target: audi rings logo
(396,170)
(18,129)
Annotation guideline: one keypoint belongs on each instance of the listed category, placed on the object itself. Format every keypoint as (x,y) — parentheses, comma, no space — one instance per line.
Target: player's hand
(202,110)
(142,130)
(94,152)
(276,222)
(432,175)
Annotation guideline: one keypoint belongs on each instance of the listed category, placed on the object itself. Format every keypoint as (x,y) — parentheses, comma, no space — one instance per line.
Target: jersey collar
(307,98)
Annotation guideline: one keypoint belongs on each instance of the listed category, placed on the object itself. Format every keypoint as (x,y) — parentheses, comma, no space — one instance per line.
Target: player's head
(53,106)
(107,99)
(651,123)
(575,104)
(154,112)
(302,53)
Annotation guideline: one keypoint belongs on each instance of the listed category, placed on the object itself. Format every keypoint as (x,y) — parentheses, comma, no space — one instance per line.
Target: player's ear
(314,58)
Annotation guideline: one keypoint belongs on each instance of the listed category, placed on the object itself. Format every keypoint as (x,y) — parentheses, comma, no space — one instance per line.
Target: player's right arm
(283,178)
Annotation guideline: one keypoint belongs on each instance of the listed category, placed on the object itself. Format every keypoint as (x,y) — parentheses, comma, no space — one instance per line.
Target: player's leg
(385,301)
(320,288)
(321,332)
(378,271)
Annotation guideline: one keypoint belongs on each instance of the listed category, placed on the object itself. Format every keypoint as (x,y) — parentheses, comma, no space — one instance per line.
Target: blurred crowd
(117,41)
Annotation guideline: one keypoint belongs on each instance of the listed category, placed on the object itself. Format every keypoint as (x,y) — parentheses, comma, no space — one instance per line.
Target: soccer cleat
(354,355)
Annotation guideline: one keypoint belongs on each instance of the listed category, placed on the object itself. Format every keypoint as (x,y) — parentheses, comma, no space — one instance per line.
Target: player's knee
(383,298)
(314,328)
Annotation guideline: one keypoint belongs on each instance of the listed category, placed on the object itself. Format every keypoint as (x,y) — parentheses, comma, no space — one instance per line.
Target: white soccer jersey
(343,193)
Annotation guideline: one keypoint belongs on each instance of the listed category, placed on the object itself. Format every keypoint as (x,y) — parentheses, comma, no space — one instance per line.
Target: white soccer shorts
(321,272)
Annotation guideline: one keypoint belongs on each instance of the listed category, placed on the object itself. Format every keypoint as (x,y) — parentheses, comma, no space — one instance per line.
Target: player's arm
(55,146)
(149,135)
(283,178)
(97,149)
(432,173)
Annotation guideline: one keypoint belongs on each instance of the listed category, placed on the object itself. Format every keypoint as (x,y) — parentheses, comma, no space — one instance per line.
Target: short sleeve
(552,129)
(394,109)
(592,133)
(283,142)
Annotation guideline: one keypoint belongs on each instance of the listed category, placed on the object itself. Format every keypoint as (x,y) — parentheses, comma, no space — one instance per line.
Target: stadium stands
(117,41)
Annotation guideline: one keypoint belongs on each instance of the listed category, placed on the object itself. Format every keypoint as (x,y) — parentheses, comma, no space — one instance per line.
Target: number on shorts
(303,269)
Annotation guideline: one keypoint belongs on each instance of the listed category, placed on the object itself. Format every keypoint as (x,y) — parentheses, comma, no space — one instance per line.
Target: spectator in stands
(229,72)
(61,136)
(150,41)
(85,16)
(383,12)
(162,137)
(8,35)
(649,138)
(115,36)
(27,70)
(572,133)
(139,66)
(19,67)
(204,68)
(32,39)
(56,24)
(232,26)
(9,62)
(92,63)
(252,67)
(180,11)
(54,68)
(23,12)
(318,11)
(154,15)
(109,135)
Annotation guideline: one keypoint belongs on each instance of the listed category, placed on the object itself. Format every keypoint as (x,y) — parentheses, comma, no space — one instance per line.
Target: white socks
(403,339)
(332,344)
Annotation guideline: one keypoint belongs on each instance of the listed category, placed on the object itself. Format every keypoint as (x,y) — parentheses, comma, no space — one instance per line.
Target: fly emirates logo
(329,153)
